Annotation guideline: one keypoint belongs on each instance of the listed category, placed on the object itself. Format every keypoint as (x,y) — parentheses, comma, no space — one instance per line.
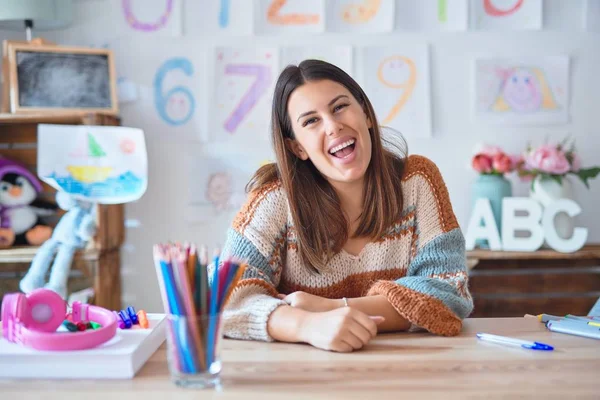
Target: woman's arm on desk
(371,305)
(341,330)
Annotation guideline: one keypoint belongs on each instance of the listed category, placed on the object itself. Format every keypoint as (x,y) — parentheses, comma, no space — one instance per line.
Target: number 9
(408,84)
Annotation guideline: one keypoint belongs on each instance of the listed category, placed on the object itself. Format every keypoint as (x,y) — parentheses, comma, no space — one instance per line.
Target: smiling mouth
(343,150)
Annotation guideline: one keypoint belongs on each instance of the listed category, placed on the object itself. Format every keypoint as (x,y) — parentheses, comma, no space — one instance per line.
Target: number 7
(252,96)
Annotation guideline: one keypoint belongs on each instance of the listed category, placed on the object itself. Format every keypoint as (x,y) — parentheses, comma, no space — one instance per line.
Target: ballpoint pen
(526,344)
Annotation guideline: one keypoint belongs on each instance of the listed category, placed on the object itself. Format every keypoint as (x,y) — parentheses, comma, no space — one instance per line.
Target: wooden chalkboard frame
(11,81)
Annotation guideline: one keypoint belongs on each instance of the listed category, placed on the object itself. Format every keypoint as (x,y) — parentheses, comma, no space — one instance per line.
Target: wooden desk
(513,283)
(393,366)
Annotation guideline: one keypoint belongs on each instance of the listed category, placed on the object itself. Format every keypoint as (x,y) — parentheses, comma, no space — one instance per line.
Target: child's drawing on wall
(219,190)
(217,184)
(522,91)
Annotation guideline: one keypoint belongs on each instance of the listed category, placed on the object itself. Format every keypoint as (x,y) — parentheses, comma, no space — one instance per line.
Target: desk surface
(391,367)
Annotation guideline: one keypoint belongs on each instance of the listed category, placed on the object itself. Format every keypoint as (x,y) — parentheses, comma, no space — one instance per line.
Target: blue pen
(514,342)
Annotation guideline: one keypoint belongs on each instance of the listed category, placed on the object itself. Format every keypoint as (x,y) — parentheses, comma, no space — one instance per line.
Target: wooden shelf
(40,118)
(100,263)
(589,251)
(26,254)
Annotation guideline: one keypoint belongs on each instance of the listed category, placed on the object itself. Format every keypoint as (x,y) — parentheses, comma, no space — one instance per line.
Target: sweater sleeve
(434,292)
(256,237)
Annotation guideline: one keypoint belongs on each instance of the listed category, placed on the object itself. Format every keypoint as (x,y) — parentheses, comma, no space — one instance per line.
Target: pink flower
(548,159)
(576,163)
(502,163)
(518,161)
(490,151)
(482,163)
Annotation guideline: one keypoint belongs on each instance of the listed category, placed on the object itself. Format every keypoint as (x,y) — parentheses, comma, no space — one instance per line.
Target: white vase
(546,191)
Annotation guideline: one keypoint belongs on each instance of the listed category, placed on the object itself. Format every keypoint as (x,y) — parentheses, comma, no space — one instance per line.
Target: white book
(119,358)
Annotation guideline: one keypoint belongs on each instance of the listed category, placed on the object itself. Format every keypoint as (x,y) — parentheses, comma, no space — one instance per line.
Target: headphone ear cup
(46,310)
(14,305)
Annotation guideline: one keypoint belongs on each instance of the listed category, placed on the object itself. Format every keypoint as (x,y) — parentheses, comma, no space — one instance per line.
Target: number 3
(363,12)
(274,17)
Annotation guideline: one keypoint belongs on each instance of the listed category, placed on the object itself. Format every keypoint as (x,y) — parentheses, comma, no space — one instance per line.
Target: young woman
(343,237)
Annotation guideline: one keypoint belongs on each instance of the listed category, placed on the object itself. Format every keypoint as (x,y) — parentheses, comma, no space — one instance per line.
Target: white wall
(162,214)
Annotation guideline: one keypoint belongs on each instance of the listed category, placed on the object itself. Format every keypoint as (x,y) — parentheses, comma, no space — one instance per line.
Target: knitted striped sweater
(419,264)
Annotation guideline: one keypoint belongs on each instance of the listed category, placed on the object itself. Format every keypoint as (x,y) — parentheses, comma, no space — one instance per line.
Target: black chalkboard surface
(62,78)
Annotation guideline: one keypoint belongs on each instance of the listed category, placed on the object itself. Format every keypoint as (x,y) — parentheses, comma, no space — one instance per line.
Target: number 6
(161,101)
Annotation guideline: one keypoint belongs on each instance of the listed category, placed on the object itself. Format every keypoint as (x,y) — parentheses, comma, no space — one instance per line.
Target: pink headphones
(32,320)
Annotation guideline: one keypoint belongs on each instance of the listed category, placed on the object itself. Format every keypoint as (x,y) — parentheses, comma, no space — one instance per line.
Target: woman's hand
(310,302)
(342,330)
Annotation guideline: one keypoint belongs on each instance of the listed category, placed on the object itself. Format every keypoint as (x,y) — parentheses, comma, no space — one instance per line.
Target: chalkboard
(63,80)
(60,78)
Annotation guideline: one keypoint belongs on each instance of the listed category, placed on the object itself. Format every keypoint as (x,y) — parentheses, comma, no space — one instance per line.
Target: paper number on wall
(361,12)
(262,74)
(224,14)
(171,107)
(395,63)
(442,10)
(144,26)
(494,11)
(274,17)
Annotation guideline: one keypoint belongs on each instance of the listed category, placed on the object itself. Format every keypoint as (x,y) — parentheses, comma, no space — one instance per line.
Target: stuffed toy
(20,210)
(72,232)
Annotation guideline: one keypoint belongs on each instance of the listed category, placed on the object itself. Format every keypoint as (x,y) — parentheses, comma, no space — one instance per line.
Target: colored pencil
(189,290)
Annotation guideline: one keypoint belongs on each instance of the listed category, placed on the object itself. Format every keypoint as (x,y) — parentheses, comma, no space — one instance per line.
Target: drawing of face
(219,190)
(522,91)
(331,129)
(178,107)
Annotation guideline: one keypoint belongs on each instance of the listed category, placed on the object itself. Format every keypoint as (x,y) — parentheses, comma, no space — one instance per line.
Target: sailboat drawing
(90,173)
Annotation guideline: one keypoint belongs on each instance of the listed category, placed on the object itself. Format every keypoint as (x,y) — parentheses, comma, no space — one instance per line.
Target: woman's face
(331,129)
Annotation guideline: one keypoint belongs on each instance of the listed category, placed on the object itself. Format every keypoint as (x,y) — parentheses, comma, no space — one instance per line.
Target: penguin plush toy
(20,210)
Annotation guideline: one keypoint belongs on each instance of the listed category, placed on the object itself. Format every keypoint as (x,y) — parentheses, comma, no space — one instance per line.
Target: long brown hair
(321,228)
